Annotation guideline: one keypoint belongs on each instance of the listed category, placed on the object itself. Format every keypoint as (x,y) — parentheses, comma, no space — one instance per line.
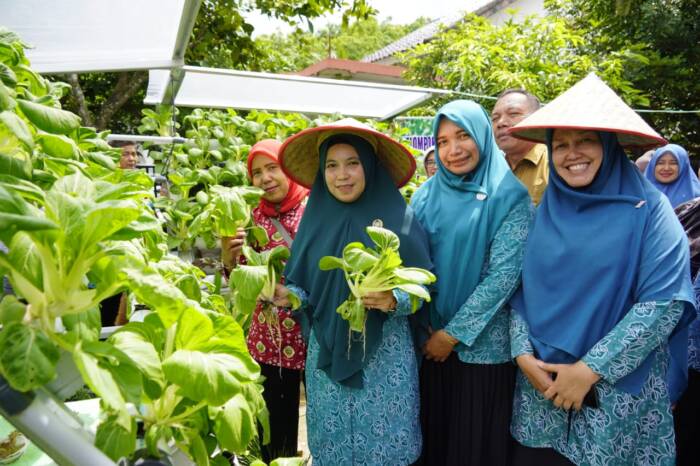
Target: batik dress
(377,424)
(625,429)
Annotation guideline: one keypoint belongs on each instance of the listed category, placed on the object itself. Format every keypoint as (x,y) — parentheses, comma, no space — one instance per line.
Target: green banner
(420,134)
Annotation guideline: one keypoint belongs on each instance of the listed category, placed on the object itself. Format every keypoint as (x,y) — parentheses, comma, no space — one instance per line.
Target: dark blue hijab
(593,253)
(327,226)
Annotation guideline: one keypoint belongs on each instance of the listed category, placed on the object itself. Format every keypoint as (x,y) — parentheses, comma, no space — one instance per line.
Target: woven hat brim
(589,105)
(626,137)
(299,156)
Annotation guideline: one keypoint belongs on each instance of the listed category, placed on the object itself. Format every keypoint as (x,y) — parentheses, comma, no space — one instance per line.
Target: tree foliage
(296,51)
(544,55)
(669,30)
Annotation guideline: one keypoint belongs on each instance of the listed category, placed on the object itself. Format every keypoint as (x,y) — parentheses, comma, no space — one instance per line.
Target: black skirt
(465,413)
(686,417)
(282,399)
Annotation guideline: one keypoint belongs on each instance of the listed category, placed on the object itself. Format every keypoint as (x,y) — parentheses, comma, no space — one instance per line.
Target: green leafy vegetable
(375,269)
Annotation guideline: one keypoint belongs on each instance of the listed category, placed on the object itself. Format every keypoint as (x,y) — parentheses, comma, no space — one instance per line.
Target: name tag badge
(480,196)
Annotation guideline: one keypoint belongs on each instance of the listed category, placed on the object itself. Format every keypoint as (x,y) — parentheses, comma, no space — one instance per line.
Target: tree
(221,38)
(544,55)
(669,30)
(296,51)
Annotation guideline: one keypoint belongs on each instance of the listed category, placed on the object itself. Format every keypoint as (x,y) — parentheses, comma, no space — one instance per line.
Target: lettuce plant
(375,269)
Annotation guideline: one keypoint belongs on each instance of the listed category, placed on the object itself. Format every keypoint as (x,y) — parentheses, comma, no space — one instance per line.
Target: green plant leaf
(85,325)
(414,275)
(49,119)
(11,310)
(58,145)
(213,377)
(17,127)
(295,461)
(6,100)
(234,424)
(101,382)
(27,357)
(415,290)
(193,329)
(383,238)
(330,263)
(135,339)
(115,440)
(359,259)
(18,165)
(247,281)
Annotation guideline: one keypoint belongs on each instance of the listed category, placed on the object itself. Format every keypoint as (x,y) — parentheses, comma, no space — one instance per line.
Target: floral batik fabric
(625,429)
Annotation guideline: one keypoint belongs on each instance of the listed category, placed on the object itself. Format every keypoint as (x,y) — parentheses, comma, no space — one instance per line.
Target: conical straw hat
(299,156)
(589,104)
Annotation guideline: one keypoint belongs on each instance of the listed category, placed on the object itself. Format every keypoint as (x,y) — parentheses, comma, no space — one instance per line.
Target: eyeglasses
(429,163)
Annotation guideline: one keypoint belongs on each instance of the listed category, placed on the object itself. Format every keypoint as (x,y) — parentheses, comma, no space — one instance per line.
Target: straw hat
(299,156)
(589,104)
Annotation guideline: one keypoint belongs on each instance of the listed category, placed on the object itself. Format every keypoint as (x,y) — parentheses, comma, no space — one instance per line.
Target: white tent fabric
(219,88)
(101,35)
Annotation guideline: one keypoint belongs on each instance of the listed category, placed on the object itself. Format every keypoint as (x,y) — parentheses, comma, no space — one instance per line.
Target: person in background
(477,215)
(643,161)
(274,339)
(598,327)
(670,171)
(361,387)
(129,157)
(528,160)
(429,163)
(686,414)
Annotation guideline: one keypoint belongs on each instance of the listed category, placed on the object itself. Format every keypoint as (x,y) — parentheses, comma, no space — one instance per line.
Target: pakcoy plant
(255,282)
(78,230)
(375,269)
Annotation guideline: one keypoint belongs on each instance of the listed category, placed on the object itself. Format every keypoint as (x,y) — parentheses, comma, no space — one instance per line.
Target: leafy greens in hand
(373,270)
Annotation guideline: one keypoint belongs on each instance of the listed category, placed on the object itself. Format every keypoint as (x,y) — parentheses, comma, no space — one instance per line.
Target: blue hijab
(461,214)
(686,186)
(327,226)
(593,253)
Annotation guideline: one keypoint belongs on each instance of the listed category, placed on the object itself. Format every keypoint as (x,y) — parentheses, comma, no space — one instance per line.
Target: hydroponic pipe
(46,422)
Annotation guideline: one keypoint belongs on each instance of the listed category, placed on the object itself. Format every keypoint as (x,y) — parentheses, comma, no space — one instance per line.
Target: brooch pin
(480,196)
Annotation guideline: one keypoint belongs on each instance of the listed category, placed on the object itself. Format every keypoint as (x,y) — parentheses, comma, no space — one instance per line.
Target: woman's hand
(572,383)
(439,346)
(538,377)
(281,298)
(231,247)
(382,300)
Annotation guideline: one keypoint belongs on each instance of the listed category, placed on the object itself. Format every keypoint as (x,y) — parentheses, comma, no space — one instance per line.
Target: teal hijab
(327,226)
(461,214)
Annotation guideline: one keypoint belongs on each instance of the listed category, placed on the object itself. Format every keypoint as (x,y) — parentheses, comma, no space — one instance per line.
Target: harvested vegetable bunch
(375,269)
(256,280)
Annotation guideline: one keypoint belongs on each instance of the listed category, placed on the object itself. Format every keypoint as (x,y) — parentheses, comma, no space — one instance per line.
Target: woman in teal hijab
(476,214)
(362,390)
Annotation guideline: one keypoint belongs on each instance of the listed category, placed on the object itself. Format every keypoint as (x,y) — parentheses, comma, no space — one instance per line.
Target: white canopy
(219,88)
(101,35)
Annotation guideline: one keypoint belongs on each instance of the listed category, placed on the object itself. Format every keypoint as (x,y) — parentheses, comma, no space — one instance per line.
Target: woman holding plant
(277,344)
(477,216)
(362,387)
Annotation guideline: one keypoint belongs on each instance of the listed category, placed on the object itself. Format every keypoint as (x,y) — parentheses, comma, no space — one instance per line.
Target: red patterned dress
(277,343)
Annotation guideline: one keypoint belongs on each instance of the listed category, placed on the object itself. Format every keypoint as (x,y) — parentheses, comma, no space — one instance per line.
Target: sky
(400,12)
